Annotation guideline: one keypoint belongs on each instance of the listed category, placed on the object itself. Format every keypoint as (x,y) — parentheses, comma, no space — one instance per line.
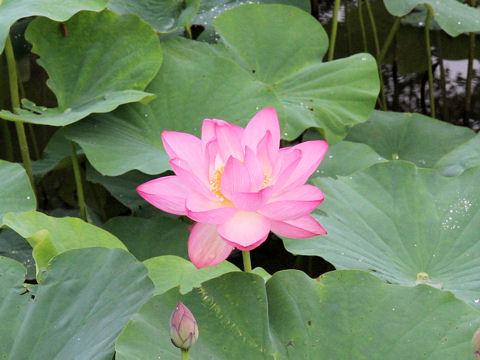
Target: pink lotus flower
(238,185)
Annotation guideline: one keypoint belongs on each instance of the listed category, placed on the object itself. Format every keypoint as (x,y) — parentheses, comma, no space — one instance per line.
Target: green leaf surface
(413,137)
(343,315)
(122,187)
(267,64)
(463,157)
(86,298)
(16,193)
(147,238)
(404,224)
(58,10)
(16,247)
(170,271)
(210,9)
(451,15)
(50,236)
(105,61)
(345,158)
(163,15)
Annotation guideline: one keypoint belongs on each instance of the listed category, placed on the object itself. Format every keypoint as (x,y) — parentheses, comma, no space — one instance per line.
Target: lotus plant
(183,328)
(237,184)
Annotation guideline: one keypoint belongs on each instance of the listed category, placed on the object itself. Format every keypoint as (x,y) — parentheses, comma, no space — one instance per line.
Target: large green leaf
(413,137)
(210,9)
(146,238)
(463,157)
(170,271)
(16,247)
(451,15)
(164,15)
(343,315)
(16,193)
(404,224)
(50,236)
(267,65)
(59,10)
(105,61)
(86,298)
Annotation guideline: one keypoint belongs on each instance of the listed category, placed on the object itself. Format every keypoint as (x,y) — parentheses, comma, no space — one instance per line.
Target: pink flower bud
(476,344)
(183,327)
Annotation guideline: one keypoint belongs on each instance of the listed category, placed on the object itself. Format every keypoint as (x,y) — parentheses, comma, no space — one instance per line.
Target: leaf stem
(247,263)
(13,81)
(362,25)
(333,34)
(78,182)
(429,59)
(389,39)
(185,355)
(468,85)
(443,82)
(7,139)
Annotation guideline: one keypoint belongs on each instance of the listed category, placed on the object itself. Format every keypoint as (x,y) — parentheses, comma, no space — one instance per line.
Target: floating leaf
(50,236)
(413,137)
(170,271)
(343,315)
(268,65)
(58,10)
(210,9)
(451,15)
(146,238)
(404,224)
(16,247)
(95,73)
(463,157)
(86,298)
(16,193)
(164,15)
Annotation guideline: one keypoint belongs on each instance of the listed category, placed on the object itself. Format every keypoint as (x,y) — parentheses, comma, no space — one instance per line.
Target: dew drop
(285,134)
(364,59)
(28,197)
(476,301)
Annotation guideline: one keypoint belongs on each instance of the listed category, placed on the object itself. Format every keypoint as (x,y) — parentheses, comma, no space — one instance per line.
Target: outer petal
(312,154)
(293,204)
(245,229)
(167,193)
(264,121)
(205,247)
(208,210)
(188,148)
(252,201)
(300,228)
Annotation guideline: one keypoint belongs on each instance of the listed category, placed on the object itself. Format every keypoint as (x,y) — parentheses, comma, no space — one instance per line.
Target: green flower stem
(429,59)
(383,100)
(189,31)
(34,142)
(78,182)
(362,25)
(333,34)
(389,39)
(185,355)
(22,139)
(348,26)
(247,263)
(468,85)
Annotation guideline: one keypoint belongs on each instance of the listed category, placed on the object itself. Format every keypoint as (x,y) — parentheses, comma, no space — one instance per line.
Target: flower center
(215,183)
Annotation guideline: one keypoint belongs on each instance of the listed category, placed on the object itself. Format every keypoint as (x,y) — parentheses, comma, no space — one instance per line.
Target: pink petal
(195,184)
(293,204)
(208,210)
(247,248)
(264,121)
(235,178)
(188,148)
(312,154)
(166,193)
(229,140)
(254,169)
(267,154)
(285,165)
(300,228)
(205,247)
(245,229)
(252,201)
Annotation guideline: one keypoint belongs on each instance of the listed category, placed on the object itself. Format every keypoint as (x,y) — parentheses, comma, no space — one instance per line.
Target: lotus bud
(183,327)
(476,344)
